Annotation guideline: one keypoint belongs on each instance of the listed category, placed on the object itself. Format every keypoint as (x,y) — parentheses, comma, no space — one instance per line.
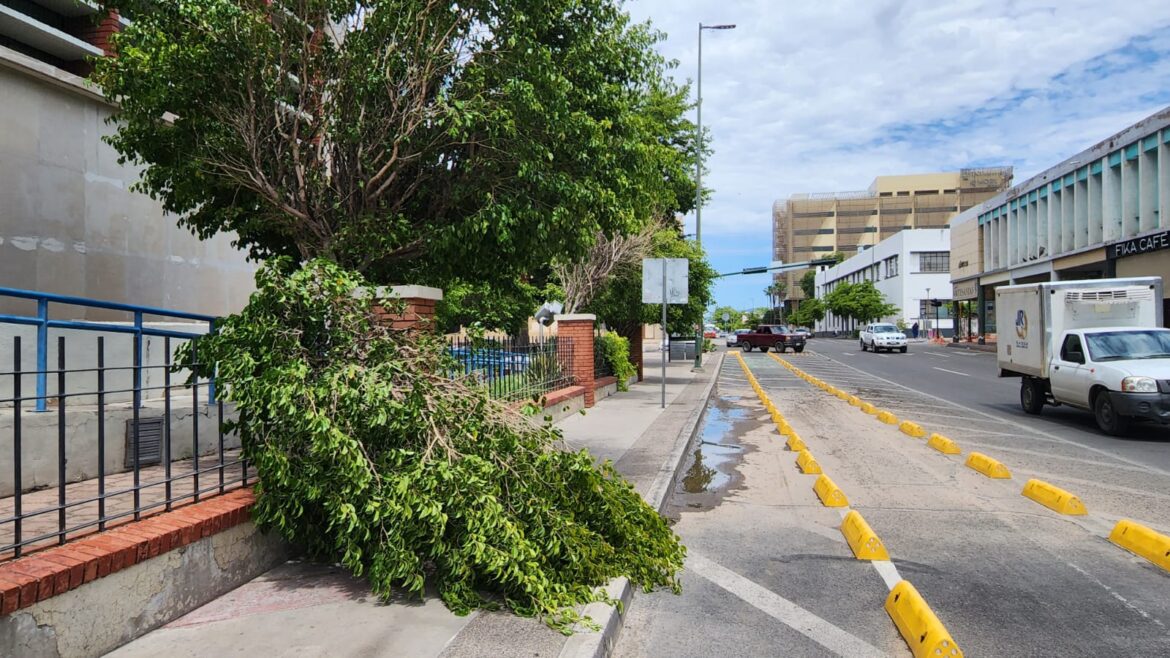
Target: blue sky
(824,96)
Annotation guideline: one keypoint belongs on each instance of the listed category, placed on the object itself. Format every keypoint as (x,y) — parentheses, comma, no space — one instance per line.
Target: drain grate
(150,436)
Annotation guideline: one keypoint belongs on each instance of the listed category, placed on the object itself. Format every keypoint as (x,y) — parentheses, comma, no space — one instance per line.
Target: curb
(610,618)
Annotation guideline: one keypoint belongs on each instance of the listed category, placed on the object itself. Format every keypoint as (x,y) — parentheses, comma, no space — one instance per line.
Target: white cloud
(823,96)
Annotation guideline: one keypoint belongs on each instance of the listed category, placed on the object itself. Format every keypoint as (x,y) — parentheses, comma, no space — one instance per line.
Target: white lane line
(849,353)
(961,374)
(888,572)
(945,356)
(835,639)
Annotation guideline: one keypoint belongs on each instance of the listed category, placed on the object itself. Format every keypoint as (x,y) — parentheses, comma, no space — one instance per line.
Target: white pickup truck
(1097,345)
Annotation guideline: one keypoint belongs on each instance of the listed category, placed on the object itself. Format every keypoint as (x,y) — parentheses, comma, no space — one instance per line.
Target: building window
(942,312)
(934,261)
(891,267)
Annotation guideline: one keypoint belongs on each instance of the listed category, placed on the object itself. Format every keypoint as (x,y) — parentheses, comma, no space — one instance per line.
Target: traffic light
(936,303)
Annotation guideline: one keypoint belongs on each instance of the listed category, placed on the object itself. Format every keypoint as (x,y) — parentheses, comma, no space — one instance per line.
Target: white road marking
(961,374)
(888,572)
(849,353)
(835,639)
(938,354)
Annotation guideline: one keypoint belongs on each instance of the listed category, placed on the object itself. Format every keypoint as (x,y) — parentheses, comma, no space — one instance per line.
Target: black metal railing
(514,370)
(66,478)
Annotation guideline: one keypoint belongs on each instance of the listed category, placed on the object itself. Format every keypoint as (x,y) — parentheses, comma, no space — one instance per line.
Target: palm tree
(775,293)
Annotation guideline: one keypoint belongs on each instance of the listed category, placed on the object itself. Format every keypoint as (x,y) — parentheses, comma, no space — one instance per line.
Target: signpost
(664,281)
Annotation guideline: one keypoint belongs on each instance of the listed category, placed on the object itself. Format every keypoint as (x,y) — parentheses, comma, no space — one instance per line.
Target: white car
(882,336)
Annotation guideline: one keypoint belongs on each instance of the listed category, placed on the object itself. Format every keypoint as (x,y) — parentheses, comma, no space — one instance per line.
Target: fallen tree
(370,452)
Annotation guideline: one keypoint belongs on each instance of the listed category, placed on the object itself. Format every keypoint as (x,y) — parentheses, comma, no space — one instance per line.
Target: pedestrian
(914,329)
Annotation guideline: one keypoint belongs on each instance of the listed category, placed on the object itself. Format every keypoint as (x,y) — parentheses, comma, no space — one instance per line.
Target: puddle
(715,456)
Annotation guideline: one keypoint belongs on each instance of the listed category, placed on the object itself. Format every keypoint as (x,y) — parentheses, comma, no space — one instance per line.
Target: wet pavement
(769,572)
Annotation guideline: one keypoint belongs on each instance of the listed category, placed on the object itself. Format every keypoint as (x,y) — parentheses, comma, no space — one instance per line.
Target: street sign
(726,317)
(675,283)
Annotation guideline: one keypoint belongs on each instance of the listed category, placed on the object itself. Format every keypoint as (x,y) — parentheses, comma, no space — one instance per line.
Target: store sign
(1155,242)
(965,290)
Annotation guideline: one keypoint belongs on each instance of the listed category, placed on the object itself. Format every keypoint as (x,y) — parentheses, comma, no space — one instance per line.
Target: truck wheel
(782,349)
(1108,419)
(798,350)
(747,347)
(763,348)
(902,350)
(861,343)
(1031,395)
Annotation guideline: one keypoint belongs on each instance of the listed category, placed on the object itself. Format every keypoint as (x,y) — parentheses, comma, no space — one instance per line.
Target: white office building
(910,268)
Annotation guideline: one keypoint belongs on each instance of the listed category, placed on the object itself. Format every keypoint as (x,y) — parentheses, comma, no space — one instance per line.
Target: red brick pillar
(419,307)
(578,329)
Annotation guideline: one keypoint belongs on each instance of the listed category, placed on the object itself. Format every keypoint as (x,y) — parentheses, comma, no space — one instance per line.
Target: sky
(823,96)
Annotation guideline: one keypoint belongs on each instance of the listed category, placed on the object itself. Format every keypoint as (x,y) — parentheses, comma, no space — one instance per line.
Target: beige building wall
(966,259)
(69,223)
(811,226)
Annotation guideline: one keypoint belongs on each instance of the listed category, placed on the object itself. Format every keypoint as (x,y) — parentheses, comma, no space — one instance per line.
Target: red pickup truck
(773,336)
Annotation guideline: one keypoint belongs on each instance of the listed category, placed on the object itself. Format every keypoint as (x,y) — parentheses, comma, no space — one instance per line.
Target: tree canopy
(858,301)
(422,141)
(619,302)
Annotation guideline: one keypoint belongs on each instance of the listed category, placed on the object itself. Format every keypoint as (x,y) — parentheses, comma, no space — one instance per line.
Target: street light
(699,176)
(926,320)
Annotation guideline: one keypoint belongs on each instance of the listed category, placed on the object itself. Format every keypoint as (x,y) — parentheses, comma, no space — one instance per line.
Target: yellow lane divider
(888,418)
(794,443)
(863,541)
(807,463)
(910,428)
(986,465)
(1054,498)
(829,493)
(918,624)
(943,444)
(1142,541)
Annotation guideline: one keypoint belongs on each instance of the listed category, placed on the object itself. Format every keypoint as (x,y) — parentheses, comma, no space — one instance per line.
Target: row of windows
(934,261)
(814,231)
(807,249)
(891,266)
(859,229)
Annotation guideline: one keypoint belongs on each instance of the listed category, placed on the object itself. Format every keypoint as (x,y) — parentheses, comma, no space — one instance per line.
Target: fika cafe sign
(1143,245)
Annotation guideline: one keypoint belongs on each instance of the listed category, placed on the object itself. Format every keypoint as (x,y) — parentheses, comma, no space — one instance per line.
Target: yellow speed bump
(1054,498)
(887,418)
(777,417)
(829,493)
(918,624)
(794,443)
(910,428)
(943,444)
(784,428)
(863,541)
(854,400)
(988,466)
(1142,541)
(807,463)
(868,408)
(843,395)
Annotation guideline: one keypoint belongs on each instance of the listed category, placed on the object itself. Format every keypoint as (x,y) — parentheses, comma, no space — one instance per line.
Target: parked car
(733,337)
(882,336)
(772,336)
(802,331)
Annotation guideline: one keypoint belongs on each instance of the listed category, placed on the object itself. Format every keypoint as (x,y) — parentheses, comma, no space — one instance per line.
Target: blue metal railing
(42,322)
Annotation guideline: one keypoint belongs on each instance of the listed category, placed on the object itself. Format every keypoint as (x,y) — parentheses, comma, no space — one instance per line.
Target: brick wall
(635,337)
(578,329)
(418,307)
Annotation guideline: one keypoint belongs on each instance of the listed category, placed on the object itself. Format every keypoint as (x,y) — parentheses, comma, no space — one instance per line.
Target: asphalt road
(769,573)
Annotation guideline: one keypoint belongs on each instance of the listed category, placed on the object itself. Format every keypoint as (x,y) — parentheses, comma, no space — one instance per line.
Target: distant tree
(859,301)
(809,312)
(732,321)
(808,284)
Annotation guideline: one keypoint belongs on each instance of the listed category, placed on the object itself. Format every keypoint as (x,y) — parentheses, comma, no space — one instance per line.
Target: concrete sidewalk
(302,609)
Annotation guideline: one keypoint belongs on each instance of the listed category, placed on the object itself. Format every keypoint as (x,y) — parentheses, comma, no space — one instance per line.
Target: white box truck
(1097,345)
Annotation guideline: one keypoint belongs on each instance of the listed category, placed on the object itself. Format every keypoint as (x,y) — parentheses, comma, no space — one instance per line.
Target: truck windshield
(885,329)
(1121,345)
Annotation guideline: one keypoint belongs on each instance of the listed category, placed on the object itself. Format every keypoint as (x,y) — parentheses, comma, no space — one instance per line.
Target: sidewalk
(301,609)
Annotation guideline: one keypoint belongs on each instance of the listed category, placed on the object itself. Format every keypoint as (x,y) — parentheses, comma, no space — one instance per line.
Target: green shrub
(615,350)
(370,454)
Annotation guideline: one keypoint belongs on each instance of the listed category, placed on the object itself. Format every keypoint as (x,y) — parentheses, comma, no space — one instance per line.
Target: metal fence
(71,417)
(513,370)
(601,365)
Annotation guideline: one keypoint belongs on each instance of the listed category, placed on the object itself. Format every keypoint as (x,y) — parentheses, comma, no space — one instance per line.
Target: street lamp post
(926,319)
(699,176)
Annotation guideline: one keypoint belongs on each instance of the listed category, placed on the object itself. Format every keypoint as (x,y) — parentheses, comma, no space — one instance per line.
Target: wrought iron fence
(170,455)
(513,370)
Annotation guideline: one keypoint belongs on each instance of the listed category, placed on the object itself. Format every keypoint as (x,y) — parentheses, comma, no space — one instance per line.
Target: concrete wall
(69,223)
(106,613)
(39,440)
